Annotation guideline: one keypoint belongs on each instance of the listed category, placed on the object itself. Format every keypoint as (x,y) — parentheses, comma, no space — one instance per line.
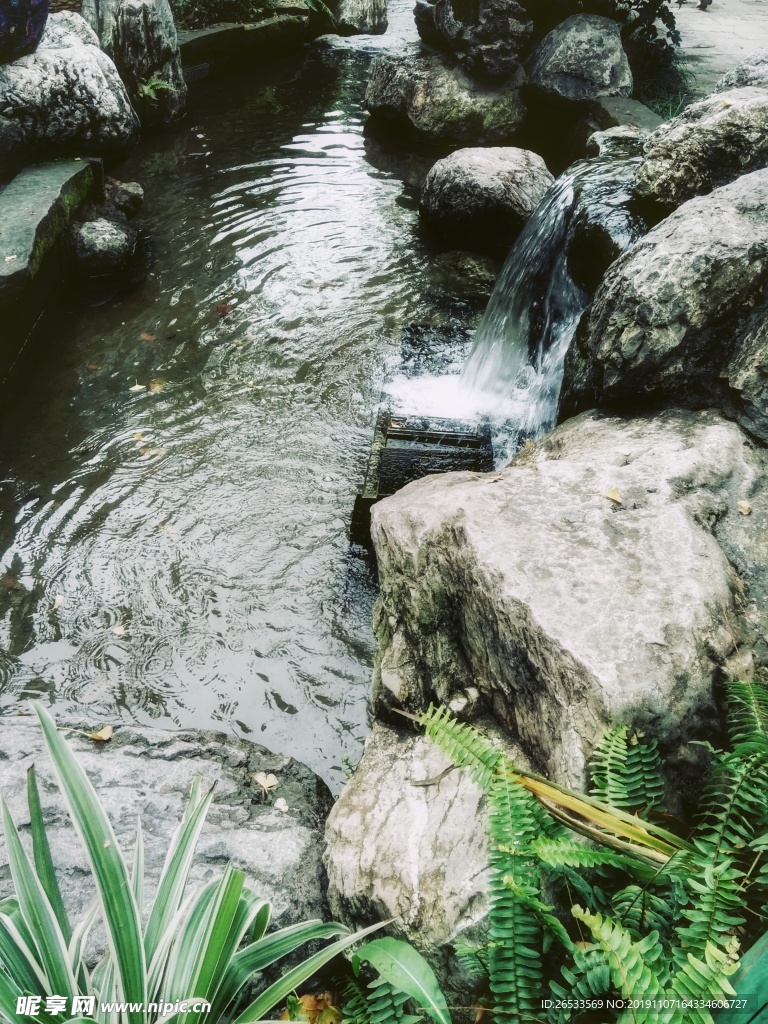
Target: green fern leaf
(463,744)
(625,771)
(748,718)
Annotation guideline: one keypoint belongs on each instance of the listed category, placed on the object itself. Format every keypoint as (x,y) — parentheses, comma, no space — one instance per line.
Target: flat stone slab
(271,36)
(148,773)
(716,40)
(34,210)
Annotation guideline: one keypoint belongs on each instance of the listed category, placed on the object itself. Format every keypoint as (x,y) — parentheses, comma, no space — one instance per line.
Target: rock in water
(140,36)
(710,144)
(605,576)
(481,198)
(679,315)
(439,101)
(487,36)
(753,71)
(148,773)
(103,247)
(361,17)
(66,99)
(581,59)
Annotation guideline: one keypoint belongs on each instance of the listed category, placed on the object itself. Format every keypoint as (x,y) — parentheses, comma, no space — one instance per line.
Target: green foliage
(206,946)
(150,88)
(403,968)
(663,922)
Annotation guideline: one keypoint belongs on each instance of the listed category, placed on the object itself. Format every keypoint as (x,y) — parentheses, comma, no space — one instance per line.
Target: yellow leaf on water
(102,735)
(138,436)
(744,507)
(266,782)
(157,384)
(613,495)
(146,336)
(137,387)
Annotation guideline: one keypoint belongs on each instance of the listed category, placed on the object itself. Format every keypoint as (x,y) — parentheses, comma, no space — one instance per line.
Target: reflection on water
(177,477)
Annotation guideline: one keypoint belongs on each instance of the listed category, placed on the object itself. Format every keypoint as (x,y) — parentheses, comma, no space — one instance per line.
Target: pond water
(178,472)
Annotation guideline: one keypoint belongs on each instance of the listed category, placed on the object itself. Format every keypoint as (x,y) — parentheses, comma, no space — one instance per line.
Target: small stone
(102,247)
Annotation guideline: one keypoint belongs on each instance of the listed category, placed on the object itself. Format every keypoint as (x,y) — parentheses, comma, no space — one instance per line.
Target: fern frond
(385,1004)
(706,977)
(625,771)
(748,718)
(562,853)
(589,978)
(550,924)
(732,808)
(641,911)
(715,910)
(354,1004)
(463,744)
(515,933)
(631,963)
(473,960)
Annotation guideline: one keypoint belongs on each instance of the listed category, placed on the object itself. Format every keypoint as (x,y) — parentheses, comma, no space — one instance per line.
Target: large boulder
(66,99)
(395,847)
(148,773)
(360,17)
(679,315)
(140,36)
(711,143)
(438,101)
(581,59)
(488,36)
(752,71)
(481,198)
(607,575)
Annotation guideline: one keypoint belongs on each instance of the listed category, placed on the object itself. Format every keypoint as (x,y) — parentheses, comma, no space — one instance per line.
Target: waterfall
(522,340)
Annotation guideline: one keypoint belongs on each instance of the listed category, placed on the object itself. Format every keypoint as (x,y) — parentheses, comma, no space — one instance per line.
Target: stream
(177,473)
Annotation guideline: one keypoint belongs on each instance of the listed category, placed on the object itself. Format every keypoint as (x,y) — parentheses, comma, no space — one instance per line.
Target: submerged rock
(482,197)
(103,247)
(360,17)
(148,773)
(439,101)
(140,36)
(679,316)
(487,36)
(710,144)
(607,575)
(581,59)
(66,99)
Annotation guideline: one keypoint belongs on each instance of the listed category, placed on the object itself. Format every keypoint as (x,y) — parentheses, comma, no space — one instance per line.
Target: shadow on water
(177,474)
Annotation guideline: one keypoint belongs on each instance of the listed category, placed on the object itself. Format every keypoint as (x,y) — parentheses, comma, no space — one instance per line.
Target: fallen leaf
(10,259)
(137,387)
(58,601)
(157,383)
(224,308)
(266,782)
(118,630)
(329,1015)
(24,714)
(146,336)
(281,805)
(10,582)
(613,495)
(102,735)
(94,367)
(744,507)
(138,436)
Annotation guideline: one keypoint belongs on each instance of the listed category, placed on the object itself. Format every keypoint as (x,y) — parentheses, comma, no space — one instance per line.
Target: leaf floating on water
(744,507)
(10,259)
(102,735)
(118,630)
(146,336)
(613,495)
(94,367)
(137,387)
(157,384)
(281,805)
(58,601)
(224,308)
(138,436)
(266,782)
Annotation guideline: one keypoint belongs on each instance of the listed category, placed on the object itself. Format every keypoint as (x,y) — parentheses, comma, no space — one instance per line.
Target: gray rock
(711,143)
(439,101)
(752,71)
(415,853)
(424,16)
(488,36)
(361,17)
(66,99)
(483,197)
(148,773)
(675,316)
(127,197)
(623,140)
(140,36)
(581,59)
(570,611)
(103,247)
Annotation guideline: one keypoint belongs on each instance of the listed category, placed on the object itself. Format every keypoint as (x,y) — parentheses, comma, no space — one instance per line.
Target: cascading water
(514,372)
